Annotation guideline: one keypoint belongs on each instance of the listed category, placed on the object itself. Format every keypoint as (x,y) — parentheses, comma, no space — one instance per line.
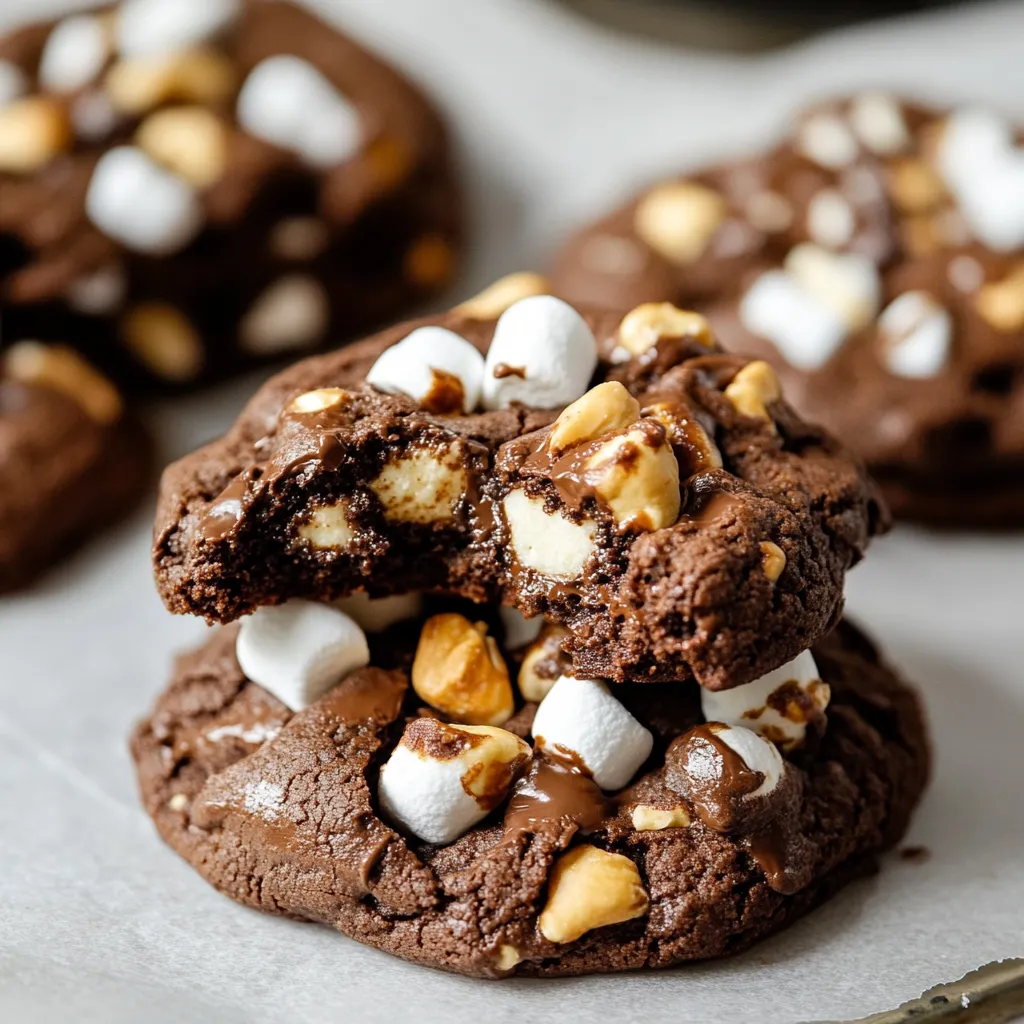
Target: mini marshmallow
(758,755)
(545,541)
(917,334)
(805,330)
(299,650)
(580,719)
(984,168)
(376,614)
(13,82)
(826,139)
(830,219)
(847,282)
(100,292)
(879,123)
(519,630)
(752,706)
(442,779)
(147,27)
(292,313)
(74,54)
(543,354)
(93,116)
(408,368)
(288,102)
(135,201)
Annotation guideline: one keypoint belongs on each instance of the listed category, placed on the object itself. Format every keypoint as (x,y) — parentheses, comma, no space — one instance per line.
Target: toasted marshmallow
(288,102)
(74,54)
(442,779)
(581,721)
(136,202)
(543,354)
(300,650)
(376,614)
(432,366)
(147,27)
(778,706)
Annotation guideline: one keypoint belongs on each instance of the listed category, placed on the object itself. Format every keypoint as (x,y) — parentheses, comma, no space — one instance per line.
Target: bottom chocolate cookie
(72,460)
(653,837)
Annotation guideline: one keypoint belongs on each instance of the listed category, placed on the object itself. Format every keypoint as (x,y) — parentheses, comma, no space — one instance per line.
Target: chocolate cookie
(876,258)
(677,517)
(72,461)
(648,838)
(191,186)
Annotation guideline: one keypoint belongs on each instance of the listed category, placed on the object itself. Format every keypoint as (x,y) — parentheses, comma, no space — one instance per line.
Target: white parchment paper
(556,117)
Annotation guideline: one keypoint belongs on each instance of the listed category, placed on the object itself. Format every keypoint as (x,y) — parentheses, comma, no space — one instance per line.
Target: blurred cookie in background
(876,257)
(188,187)
(72,460)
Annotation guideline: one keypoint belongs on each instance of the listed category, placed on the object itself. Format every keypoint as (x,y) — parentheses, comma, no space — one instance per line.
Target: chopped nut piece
(915,186)
(422,486)
(508,957)
(328,527)
(191,141)
(753,389)
(317,401)
(543,663)
(695,451)
(637,476)
(679,219)
(642,328)
(62,369)
(459,670)
(604,408)
(138,84)
(773,560)
(590,888)
(33,131)
(430,262)
(1001,303)
(496,298)
(655,819)
(164,341)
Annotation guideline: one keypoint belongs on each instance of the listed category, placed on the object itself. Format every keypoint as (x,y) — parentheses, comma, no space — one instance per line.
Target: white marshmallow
(376,614)
(804,330)
(138,203)
(848,282)
(984,169)
(13,82)
(93,116)
(545,541)
(917,334)
(288,102)
(581,717)
(438,798)
(758,755)
(408,367)
(826,139)
(749,705)
(879,123)
(292,313)
(830,219)
(300,650)
(550,349)
(74,54)
(146,27)
(99,293)
(519,630)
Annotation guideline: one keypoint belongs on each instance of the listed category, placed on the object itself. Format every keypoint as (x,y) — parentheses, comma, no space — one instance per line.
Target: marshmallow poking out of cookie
(289,103)
(916,334)
(146,27)
(778,706)
(299,650)
(435,367)
(581,721)
(442,779)
(543,355)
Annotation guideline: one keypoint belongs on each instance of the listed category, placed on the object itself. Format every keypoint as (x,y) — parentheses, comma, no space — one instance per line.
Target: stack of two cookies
(540,666)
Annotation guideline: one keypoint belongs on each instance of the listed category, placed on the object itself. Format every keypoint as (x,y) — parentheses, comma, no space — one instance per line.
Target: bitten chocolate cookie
(876,259)
(72,461)
(610,827)
(191,186)
(622,476)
